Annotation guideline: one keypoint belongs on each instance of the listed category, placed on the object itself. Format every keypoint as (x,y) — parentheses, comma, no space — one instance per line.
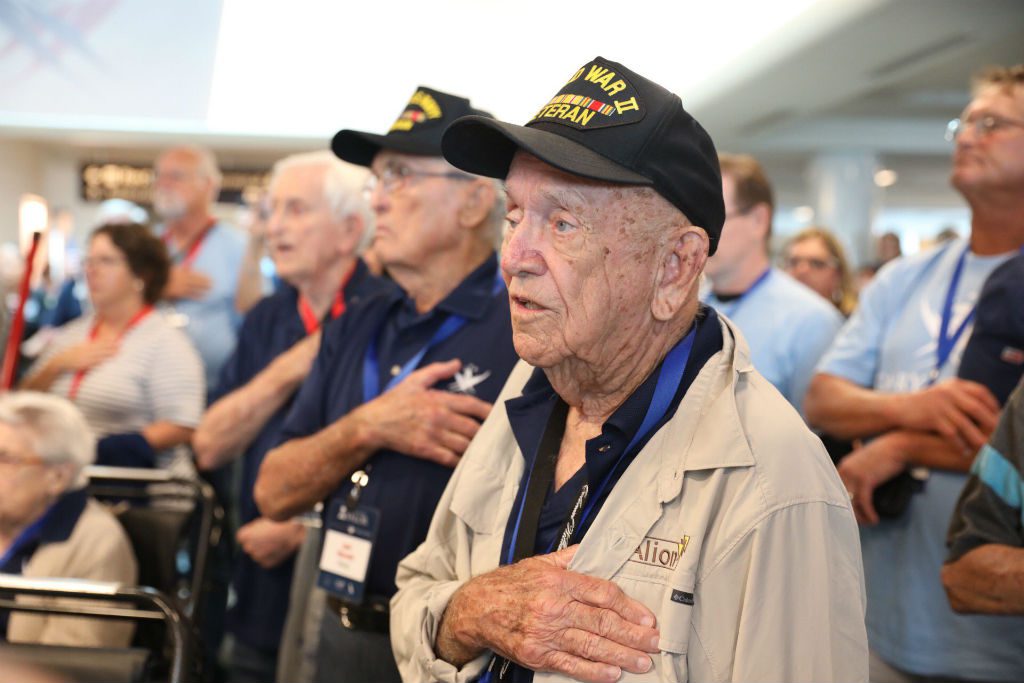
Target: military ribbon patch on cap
(422,107)
(595,97)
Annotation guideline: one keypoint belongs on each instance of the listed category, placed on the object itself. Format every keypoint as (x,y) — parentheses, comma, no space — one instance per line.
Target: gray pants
(346,656)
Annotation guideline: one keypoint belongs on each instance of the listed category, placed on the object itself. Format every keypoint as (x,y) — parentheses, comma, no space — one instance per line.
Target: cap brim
(360,148)
(486,146)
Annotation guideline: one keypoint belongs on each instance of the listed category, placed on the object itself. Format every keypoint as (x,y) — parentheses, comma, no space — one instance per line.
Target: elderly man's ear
(480,196)
(59,478)
(679,275)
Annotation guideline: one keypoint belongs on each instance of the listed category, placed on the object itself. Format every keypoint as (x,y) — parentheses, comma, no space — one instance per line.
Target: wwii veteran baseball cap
(417,130)
(994,355)
(609,124)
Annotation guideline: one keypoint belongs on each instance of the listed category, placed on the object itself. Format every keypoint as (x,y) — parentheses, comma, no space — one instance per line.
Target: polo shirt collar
(475,294)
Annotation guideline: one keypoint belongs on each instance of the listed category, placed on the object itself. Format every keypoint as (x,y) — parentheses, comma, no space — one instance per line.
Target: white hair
(344,186)
(56,430)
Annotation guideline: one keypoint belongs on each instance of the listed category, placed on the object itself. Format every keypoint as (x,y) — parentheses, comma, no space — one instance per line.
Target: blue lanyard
(669,378)
(946,342)
(371,366)
(731,312)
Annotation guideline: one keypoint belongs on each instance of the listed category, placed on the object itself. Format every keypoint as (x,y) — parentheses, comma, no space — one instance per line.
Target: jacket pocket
(674,625)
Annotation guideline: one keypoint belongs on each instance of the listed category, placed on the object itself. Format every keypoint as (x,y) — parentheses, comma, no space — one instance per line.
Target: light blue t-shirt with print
(212,321)
(890,344)
(788,327)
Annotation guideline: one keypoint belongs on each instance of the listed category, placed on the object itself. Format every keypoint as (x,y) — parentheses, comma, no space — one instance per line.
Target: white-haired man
(401,383)
(319,221)
(661,511)
(206,254)
(48,525)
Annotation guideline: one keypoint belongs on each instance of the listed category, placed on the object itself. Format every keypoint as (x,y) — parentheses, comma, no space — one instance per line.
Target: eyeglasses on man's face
(394,177)
(981,126)
(794,262)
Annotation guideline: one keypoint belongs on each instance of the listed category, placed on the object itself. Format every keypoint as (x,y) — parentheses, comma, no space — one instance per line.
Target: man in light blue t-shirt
(207,254)
(891,375)
(787,325)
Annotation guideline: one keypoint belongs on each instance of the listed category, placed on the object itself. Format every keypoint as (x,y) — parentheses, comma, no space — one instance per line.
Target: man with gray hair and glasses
(401,382)
(891,377)
(49,527)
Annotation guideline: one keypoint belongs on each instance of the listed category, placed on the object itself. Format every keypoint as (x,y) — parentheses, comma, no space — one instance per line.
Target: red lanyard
(193,249)
(76,381)
(308,315)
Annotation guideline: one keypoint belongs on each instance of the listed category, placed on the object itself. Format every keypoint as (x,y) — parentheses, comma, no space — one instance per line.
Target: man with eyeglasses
(401,382)
(892,375)
(787,325)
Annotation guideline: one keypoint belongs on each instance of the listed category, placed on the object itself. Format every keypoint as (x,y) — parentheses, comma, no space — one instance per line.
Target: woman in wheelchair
(48,526)
(135,376)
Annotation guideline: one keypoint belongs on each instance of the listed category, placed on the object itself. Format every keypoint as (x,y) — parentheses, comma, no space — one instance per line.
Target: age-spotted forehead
(555,187)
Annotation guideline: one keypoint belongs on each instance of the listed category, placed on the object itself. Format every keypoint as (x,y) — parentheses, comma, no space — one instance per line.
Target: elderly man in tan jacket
(641,504)
(49,528)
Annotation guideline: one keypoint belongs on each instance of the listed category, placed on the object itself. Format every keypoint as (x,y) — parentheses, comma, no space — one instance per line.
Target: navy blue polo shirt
(272,327)
(528,416)
(403,488)
(55,526)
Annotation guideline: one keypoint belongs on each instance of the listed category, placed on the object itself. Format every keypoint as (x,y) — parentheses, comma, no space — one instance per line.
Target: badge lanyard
(731,312)
(371,367)
(520,547)
(668,383)
(947,342)
(76,381)
(193,249)
(308,315)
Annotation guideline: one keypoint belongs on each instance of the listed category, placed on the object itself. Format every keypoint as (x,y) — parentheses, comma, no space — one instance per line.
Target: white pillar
(845,198)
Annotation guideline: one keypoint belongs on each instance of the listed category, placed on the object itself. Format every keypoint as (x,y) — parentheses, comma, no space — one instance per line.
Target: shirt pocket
(671,598)
(674,617)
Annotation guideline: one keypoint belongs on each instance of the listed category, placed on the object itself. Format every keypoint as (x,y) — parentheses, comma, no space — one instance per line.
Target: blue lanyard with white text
(371,366)
(668,383)
(743,297)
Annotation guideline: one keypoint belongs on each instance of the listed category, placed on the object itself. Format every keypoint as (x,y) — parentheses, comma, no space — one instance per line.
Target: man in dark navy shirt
(319,221)
(400,385)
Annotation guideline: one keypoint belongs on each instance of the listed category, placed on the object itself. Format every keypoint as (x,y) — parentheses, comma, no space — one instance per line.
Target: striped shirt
(156,375)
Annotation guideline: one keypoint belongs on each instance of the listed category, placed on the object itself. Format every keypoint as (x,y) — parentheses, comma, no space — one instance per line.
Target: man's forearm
(41,380)
(451,644)
(162,435)
(846,410)
(928,450)
(988,579)
(231,424)
(302,472)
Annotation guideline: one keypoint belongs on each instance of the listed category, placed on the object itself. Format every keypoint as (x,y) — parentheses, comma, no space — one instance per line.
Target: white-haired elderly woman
(49,527)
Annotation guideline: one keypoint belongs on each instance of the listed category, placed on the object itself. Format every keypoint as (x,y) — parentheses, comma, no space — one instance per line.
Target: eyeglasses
(794,262)
(8,459)
(394,178)
(982,126)
(733,213)
(102,261)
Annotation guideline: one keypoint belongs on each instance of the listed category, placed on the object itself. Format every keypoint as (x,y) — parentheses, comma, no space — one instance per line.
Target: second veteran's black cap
(607,123)
(417,130)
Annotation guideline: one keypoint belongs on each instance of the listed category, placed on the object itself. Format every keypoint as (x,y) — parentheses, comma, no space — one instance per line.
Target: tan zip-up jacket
(734,500)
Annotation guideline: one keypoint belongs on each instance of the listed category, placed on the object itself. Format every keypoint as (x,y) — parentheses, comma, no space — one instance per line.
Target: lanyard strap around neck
(309,319)
(730,311)
(76,381)
(371,366)
(193,249)
(542,475)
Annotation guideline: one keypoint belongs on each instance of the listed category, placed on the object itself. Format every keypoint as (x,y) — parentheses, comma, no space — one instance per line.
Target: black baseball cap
(417,130)
(609,124)
(994,355)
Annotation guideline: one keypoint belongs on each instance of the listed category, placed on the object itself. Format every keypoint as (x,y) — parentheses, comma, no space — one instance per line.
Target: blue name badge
(348,543)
